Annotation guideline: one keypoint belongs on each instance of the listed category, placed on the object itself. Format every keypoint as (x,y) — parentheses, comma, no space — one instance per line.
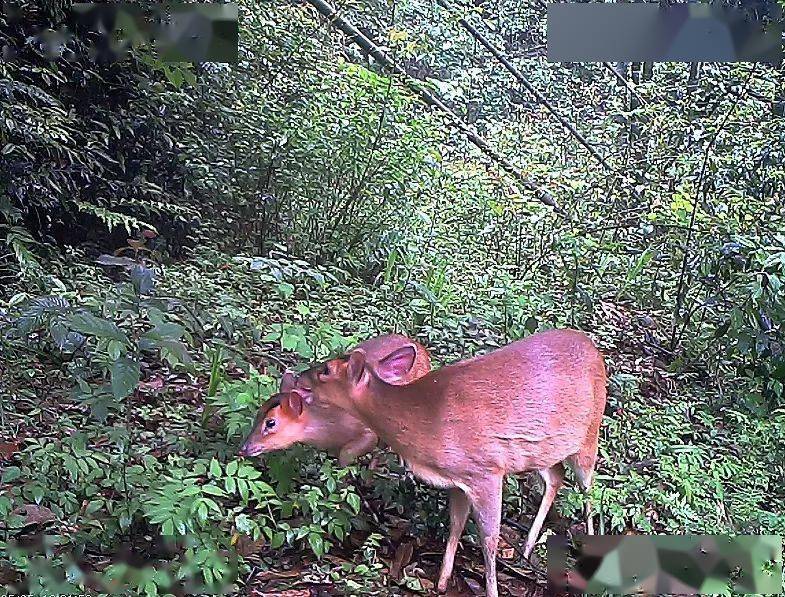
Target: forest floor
(649,416)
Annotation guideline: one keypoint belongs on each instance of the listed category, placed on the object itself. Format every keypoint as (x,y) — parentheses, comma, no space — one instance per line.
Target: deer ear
(288,381)
(356,366)
(396,365)
(293,404)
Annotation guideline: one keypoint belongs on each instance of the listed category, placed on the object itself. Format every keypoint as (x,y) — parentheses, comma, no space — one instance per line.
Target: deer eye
(269,423)
(326,369)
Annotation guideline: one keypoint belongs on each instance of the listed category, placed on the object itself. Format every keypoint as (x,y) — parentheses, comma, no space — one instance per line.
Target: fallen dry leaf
(427,584)
(245,546)
(8,449)
(151,385)
(399,526)
(276,574)
(507,553)
(35,514)
(474,586)
(403,555)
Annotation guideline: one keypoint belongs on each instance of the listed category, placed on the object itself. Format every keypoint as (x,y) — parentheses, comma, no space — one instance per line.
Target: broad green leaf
(125,377)
(87,323)
(354,501)
(215,468)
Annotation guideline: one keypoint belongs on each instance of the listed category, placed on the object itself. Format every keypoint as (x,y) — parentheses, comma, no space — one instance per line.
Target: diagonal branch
(371,49)
(680,289)
(513,70)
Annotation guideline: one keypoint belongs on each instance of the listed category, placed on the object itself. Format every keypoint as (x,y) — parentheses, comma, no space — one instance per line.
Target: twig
(625,82)
(527,563)
(373,50)
(529,87)
(358,187)
(518,573)
(691,229)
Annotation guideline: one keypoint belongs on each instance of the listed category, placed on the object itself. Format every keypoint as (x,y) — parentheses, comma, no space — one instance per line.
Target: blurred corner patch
(666,564)
(205,32)
(661,33)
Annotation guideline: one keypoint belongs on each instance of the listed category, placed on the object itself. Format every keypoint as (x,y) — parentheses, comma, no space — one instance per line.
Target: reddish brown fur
(531,405)
(321,424)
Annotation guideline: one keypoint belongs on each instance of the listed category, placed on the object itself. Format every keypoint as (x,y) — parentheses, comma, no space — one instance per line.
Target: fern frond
(20,242)
(38,312)
(113,219)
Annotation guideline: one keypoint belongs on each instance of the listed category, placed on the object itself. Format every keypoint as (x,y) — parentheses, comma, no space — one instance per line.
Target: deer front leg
(459,512)
(357,447)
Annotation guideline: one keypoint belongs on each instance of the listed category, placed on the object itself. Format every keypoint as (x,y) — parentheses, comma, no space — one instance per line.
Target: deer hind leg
(582,464)
(554,479)
(486,502)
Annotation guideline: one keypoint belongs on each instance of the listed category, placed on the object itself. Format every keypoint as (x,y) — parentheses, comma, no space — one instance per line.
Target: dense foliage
(173,236)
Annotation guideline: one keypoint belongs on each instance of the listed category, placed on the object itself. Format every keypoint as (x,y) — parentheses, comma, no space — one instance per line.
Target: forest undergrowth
(173,236)
(674,458)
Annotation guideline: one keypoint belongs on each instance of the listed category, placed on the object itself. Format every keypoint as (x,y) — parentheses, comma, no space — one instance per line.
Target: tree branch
(371,49)
(624,82)
(513,70)
(680,291)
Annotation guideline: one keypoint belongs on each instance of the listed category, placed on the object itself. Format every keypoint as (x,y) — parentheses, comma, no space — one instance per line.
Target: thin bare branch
(373,50)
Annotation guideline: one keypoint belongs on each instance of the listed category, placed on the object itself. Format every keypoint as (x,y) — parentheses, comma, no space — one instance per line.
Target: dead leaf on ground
(474,586)
(457,586)
(246,546)
(278,574)
(8,449)
(398,527)
(403,555)
(151,385)
(506,551)
(35,514)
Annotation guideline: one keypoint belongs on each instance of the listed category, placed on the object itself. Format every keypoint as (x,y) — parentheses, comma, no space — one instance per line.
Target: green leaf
(285,289)
(213,490)
(212,505)
(87,323)
(125,377)
(174,350)
(215,469)
(142,278)
(167,529)
(70,465)
(317,544)
(230,484)
(191,490)
(175,77)
(208,576)
(165,331)
(263,488)
(11,473)
(93,507)
(202,512)
(290,341)
(114,348)
(242,485)
(354,501)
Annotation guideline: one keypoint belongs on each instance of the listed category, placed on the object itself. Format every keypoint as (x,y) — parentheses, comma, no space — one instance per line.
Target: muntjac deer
(530,406)
(284,419)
